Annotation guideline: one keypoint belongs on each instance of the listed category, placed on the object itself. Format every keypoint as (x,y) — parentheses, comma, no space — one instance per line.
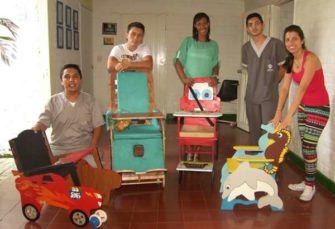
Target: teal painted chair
(136,129)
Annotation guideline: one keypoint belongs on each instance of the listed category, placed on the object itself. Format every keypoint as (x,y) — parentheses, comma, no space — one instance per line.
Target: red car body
(52,189)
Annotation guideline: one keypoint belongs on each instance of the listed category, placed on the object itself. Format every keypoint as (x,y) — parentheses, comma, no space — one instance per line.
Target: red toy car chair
(33,156)
(197,127)
(41,182)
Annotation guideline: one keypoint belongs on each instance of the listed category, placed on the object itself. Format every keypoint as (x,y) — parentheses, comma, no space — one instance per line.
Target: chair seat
(139,132)
(197,131)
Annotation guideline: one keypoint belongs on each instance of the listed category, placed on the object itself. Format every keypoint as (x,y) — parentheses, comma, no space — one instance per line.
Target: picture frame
(109,28)
(68,16)
(108,40)
(75,20)
(75,40)
(60,37)
(68,38)
(59,12)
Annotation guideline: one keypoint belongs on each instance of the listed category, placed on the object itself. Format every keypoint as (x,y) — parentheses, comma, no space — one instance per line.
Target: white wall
(226,29)
(59,57)
(319,39)
(253,4)
(286,17)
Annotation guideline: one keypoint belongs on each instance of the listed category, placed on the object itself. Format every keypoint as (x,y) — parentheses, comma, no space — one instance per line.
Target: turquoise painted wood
(132,92)
(133,97)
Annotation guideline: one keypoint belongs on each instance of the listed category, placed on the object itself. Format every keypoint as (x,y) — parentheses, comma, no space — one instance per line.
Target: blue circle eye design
(196,92)
(207,94)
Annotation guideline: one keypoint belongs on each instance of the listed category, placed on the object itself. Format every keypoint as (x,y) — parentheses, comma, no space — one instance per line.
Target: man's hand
(39,126)
(119,67)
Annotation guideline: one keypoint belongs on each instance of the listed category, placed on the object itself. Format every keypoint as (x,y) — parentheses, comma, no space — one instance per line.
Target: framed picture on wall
(68,39)
(75,40)
(68,16)
(75,20)
(108,40)
(60,37)
(59,13)
(109,28)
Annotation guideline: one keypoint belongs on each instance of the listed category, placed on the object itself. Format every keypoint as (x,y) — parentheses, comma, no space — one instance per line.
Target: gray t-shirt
(263,65)
(72,124)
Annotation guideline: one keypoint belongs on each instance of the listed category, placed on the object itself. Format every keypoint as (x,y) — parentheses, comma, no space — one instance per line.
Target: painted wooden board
(197,114)
(149,115)
(195,166)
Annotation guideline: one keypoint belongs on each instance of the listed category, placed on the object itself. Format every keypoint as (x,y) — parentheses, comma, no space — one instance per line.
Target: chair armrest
(60,169)
(246,147)
(256,159)
(139,116)
(107,118)
(75,156)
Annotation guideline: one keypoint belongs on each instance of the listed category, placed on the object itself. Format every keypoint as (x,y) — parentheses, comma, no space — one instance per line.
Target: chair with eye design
(196,127)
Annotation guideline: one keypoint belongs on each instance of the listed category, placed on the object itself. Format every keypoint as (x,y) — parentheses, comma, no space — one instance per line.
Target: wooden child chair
(137,132)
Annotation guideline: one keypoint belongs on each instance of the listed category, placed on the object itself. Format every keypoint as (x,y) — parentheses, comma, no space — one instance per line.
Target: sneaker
(189,157)
(196,157)
(308,193)
(297,187)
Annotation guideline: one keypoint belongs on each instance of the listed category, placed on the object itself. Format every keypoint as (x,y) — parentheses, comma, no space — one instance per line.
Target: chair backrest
(207,98)
(133,92)
(30,150)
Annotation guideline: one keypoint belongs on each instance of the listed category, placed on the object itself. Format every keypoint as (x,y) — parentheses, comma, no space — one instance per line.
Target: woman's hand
(276,120)
(188,81)
(214,81)
(285,123)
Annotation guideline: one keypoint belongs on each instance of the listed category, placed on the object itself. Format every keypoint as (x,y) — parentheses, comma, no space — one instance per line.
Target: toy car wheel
(78,218)
(30,212)
(102,214)
(95,221)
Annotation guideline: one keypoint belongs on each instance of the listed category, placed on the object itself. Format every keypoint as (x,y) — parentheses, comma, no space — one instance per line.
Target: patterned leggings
(311,121)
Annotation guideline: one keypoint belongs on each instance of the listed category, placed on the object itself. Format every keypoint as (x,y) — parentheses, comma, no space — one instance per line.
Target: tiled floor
(195,203)
(6,165)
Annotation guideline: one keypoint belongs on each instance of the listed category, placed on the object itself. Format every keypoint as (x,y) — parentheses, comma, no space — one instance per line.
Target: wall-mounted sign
(109,28)
(108,40)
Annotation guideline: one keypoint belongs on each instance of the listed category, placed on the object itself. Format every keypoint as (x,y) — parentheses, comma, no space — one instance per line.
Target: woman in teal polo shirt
(198,56)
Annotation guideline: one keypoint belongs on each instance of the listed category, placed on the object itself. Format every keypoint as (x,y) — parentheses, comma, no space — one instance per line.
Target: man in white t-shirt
(133,55)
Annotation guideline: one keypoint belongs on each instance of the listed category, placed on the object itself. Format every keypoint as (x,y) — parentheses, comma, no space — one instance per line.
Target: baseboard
(320,178)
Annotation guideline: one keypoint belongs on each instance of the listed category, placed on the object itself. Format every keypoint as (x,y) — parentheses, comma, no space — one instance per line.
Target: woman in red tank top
(310,100)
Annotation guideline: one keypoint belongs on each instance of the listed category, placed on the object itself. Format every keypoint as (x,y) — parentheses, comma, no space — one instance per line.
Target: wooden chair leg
(97,158)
